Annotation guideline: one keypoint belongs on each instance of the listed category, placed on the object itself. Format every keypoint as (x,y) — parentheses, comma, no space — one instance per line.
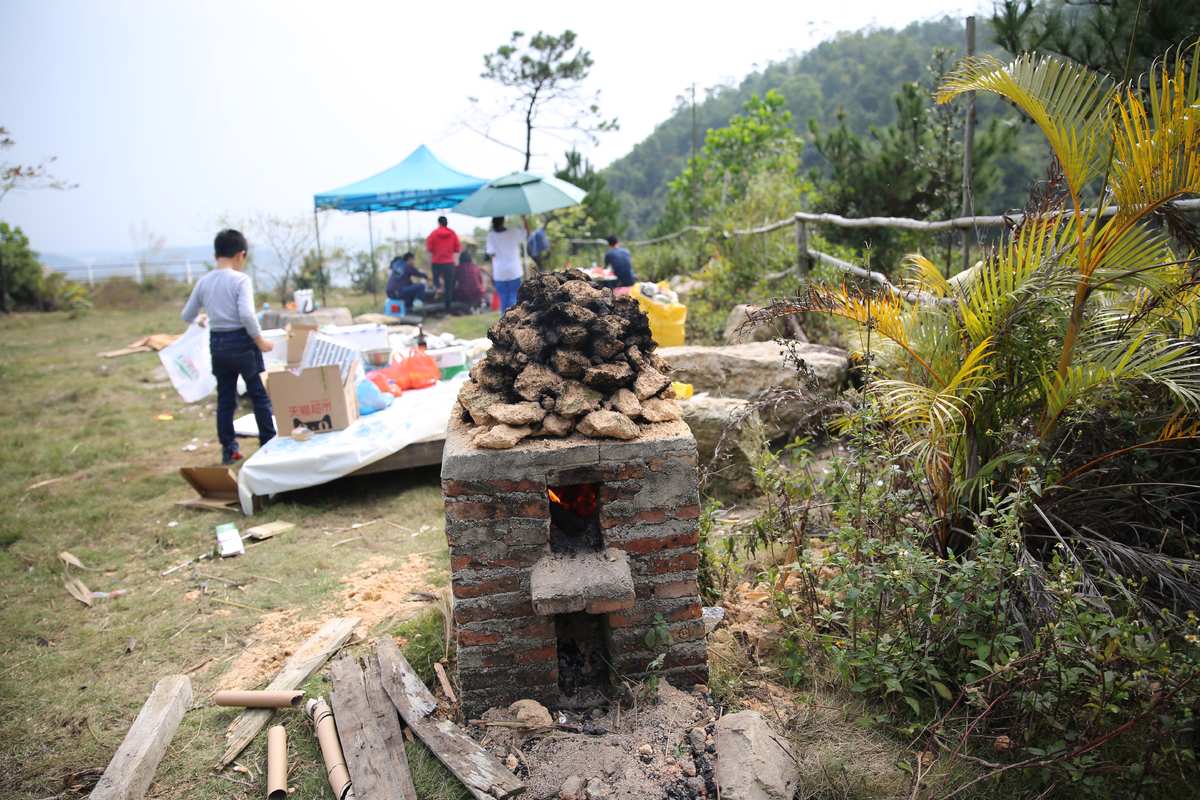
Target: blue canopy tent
(420,182)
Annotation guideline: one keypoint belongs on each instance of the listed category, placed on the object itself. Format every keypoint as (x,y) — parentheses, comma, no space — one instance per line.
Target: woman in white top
(504,246)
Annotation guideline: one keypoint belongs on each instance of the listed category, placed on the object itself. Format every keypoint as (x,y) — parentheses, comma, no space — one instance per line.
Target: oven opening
(575,518)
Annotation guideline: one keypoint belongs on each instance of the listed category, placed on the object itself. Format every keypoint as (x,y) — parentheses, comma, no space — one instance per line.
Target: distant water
(172,262)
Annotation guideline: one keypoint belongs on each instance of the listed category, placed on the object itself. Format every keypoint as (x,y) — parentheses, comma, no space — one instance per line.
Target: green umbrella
(520,193)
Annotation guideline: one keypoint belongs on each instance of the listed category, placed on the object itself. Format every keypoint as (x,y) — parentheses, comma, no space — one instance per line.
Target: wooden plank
(267,530)
(131,770)
(444,680)
(417,454)
(483,776)
(370,732)
(306,660)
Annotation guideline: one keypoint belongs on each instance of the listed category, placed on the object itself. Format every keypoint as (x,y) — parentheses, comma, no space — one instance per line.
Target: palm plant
(989,376)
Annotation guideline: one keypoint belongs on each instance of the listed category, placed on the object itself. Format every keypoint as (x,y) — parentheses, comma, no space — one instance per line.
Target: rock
(569,363)
(712,616)
(609,326)
(608,424)
(517,414)
(737,428)
(747,370)
(554,425)
(576,313)
(645,752)
(572,789)
(607,378)
(689,768)
(501,437)
(658,410)
(511,762)
(608,348)
(573,336)
(649,383)
(529,340)
(531,713)
(750,370)
(476,400)
(576,400)
(776,329)
(753,763)
(581,292)
(626,402)
(490,377)
(595,790)
(536,381)
(696,740)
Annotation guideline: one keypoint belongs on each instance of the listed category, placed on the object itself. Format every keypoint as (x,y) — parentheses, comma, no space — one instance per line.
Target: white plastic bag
(189,364)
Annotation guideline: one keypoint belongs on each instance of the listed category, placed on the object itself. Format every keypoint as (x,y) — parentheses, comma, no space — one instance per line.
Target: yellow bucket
(667,320)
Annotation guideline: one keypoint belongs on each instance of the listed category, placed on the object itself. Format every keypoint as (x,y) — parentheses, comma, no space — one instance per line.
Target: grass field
(72,678)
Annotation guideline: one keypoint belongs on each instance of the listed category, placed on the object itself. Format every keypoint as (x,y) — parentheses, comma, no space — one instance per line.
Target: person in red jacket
(443,247)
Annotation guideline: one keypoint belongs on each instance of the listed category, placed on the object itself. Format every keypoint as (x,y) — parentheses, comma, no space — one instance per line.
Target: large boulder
(753,762)
(729,435)
(735,333)
(759,370)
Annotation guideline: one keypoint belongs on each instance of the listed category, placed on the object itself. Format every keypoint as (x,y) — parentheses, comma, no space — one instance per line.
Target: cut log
(369,729)
(131,770)
(306,660)
(484,776)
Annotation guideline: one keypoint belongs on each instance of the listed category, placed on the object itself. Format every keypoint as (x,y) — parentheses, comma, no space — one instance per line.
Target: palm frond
(924,275)
(1066,100)
(1156,150)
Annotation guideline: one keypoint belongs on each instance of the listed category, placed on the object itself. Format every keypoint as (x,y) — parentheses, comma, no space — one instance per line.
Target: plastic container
(303,298)
(667,320)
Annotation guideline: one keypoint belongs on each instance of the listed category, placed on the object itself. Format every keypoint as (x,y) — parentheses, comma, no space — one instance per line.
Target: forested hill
(858,72)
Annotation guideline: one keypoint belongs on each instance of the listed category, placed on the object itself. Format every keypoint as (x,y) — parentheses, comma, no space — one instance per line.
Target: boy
(235,339)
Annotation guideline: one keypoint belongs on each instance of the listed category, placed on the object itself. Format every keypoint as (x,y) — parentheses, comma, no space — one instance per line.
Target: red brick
(508,583)
(676,589)
(536,509)
(547,653)
(688,512)
(653,516)
(468,638)
(502,607)
(650,544)
(676,563)
(471,509)
(460,488)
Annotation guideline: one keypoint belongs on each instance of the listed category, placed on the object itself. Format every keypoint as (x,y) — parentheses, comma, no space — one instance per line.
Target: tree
(912,168)
(289,239)
(601,208)
(26,176)
(545,79)
(20,271)
(1120,38)
(759,140)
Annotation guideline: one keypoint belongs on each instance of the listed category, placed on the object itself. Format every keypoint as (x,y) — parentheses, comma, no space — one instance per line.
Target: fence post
(968,190)
(804,260)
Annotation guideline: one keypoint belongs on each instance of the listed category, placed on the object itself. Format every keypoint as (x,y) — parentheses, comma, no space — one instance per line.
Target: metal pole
(968,199)
(187,266)
(320,258)
(374,272)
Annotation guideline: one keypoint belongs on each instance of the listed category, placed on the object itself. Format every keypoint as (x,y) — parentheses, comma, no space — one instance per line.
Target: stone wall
(498,527)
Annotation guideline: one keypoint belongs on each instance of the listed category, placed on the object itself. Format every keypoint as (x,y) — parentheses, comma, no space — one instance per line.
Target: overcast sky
(169,114)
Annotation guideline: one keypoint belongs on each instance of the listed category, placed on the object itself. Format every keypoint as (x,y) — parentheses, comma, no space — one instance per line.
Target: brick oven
(572,507)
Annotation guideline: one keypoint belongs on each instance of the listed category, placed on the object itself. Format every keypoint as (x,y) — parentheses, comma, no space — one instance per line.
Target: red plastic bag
(385,382)
(416,371)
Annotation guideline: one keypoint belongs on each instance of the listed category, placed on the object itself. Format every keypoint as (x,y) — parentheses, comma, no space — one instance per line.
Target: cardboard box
(316,398)
(216,486)
(297,340)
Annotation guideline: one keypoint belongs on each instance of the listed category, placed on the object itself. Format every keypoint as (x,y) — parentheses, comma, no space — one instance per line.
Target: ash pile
(570,356)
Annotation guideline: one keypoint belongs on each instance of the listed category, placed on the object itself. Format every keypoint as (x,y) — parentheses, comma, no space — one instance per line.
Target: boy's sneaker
(229,458)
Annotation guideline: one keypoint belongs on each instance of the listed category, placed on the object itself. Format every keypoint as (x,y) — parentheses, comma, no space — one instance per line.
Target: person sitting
(400,285)
(620,262)
(468,281)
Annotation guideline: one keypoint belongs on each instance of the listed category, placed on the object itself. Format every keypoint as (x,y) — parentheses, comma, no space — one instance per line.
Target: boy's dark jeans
(234,353)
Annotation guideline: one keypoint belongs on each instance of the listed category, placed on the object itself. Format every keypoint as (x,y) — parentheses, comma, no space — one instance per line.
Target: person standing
(401,284)
(504,246)
(538,247)
(443,247)
(619,260)
(235,339)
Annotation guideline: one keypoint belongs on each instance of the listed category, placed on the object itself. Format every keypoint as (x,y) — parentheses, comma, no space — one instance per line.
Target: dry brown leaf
(78,590)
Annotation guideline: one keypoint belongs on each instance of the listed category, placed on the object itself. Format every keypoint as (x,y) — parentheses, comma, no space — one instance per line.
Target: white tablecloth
(285,464)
